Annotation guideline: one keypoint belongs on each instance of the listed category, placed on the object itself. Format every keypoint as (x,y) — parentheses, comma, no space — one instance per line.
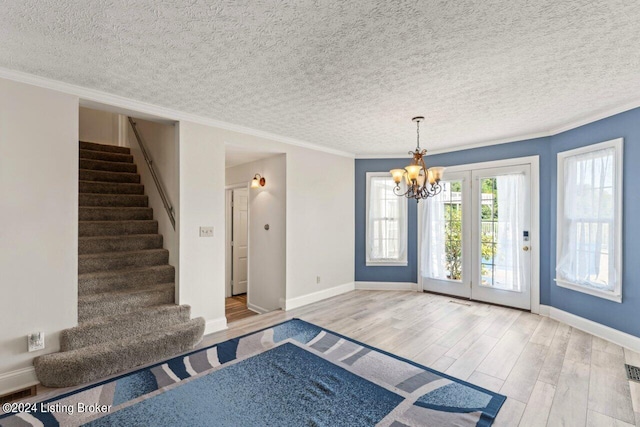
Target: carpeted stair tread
(131,242)
(115,200)
(105,176)
(110,303)
(84,145)
(118,213)
(112,261)
(110,187)
(106,156)
(126,290)
(91,363)
(112,328)
(115,228)
(129,278)
(101,165)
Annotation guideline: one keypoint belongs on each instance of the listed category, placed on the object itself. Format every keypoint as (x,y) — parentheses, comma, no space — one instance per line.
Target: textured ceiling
(346,75)
(236,156)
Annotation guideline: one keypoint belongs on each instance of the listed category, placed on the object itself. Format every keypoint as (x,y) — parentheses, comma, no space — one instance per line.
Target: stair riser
(70,369)
(116,228)
(136,323)
(115,214)
(107,166)
(105,156)
(123,281)
(110,188)
(105,148)
(109,262)
(113,200)
(119,243)
(114,305)
(102,176)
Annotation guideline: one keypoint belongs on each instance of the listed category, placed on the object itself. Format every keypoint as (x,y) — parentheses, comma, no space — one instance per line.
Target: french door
(475,236)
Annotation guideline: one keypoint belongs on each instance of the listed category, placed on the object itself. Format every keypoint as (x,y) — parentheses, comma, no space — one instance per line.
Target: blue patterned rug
(291,374)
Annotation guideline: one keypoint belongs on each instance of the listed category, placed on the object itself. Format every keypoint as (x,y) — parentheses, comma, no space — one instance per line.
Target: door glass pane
(488,220)
(502,226)
(442,234)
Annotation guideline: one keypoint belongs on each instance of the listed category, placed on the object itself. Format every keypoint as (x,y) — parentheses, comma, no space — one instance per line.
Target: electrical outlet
(317,279)
(206,231)
(35,341)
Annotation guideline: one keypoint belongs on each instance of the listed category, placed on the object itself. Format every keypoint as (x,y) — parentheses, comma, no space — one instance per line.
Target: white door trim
(534,162)
(239,251)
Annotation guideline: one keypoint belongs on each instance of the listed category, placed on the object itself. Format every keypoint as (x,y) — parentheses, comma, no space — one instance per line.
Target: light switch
(206,231)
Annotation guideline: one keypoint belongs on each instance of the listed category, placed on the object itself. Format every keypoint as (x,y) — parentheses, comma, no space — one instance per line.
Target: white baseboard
(257,308)
(387,286)
(215,325)
(545,310)
(15,380)
(599,330)
(292,303)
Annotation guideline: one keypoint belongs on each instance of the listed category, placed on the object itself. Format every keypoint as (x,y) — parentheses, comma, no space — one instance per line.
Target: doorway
(478,237)
(237,249)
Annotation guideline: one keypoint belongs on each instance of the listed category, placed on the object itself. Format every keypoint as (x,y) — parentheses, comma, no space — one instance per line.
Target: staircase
(126,290)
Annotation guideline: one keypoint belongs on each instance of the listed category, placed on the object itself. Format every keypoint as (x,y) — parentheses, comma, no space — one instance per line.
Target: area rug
(291,374)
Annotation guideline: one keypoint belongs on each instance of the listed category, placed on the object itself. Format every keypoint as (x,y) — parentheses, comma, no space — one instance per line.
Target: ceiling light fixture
(258,181)
(421,182)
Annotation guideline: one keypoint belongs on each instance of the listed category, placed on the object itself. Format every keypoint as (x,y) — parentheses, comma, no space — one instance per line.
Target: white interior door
(446,227)
(501,256)
(240,241)
(475,236)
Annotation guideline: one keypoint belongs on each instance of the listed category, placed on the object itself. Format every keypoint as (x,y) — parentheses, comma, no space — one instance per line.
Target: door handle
(525,248)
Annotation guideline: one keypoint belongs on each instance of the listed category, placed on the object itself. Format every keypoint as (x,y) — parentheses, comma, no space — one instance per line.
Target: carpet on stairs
(127,315)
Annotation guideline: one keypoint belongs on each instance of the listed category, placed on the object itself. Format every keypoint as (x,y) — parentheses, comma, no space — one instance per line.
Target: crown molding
(584,120)
(90,97)
(459,147)
(594,117)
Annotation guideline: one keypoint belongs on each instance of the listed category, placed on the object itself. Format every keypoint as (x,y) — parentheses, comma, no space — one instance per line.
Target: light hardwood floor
(235,308)
(552,374)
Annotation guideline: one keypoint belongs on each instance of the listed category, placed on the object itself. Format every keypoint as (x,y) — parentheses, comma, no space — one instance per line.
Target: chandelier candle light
(421,182)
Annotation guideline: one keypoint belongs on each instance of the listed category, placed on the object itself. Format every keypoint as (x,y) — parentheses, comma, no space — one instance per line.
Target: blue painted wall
(382,273)
(540,147)
(625,316)
(627,125)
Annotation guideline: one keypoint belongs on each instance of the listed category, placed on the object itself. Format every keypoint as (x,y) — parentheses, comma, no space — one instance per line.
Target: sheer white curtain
(433,262)
(586,253)
(387,222)
(511,268)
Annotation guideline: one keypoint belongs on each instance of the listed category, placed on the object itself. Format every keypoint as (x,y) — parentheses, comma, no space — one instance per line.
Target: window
(386,222)
(589,223)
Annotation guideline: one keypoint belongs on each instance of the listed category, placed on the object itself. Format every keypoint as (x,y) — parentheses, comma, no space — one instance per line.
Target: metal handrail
(156,178)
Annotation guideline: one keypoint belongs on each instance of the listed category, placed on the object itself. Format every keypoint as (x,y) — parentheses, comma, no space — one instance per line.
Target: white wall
(39,223)
(98,126)
(320,222)
(201,270)
(267,248)
(161,141)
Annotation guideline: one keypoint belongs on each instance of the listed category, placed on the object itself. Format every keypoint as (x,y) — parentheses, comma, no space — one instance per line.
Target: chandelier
(421,182)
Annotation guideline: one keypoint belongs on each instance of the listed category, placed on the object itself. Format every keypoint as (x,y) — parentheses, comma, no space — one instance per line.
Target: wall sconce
(258,181)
